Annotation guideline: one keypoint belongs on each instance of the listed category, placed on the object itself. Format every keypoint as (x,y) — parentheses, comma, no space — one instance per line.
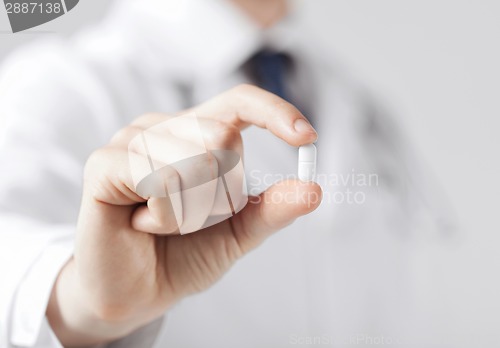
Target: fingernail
(302,126)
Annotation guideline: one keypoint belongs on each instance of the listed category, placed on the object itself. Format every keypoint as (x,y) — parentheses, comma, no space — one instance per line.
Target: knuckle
(170,180)
(209,165)
(92,160)
(150,119)
(169,174)
(145,118)
(246,88)
(279,107)
(223,136)
(95,161)
(125,134)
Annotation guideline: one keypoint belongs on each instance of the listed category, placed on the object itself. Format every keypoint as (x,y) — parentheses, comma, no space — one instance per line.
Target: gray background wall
(437,63)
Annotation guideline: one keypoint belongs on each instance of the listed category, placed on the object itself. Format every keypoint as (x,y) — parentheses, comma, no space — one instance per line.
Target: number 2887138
(33,7)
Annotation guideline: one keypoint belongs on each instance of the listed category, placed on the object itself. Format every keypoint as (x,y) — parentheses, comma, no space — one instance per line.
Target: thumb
(274,209)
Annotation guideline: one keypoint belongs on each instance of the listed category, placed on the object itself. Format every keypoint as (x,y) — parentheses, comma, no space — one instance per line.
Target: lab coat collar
(166,29)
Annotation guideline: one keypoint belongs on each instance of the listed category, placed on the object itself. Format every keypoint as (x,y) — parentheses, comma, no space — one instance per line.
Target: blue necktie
(268,70)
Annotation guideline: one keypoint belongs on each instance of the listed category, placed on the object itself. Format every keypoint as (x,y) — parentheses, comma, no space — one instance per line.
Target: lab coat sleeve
(53,114)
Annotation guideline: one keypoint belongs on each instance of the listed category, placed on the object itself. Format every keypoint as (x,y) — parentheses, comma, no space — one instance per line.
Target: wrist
(71,317)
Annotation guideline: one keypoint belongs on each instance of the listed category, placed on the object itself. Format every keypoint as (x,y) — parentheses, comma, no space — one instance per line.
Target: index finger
(249,105)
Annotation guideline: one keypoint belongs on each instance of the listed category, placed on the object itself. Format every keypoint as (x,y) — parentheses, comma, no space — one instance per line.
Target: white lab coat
(344,275)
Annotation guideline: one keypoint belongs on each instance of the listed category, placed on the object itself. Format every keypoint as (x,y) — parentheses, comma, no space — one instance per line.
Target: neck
(265,13)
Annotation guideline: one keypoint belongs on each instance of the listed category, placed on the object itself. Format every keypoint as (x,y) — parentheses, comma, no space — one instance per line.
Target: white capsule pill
(307,162)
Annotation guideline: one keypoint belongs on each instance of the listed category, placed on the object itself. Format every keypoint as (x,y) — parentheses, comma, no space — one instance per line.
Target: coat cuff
(29,326)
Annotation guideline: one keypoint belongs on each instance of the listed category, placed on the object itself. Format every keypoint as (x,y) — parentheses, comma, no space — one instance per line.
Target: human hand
(129,266)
